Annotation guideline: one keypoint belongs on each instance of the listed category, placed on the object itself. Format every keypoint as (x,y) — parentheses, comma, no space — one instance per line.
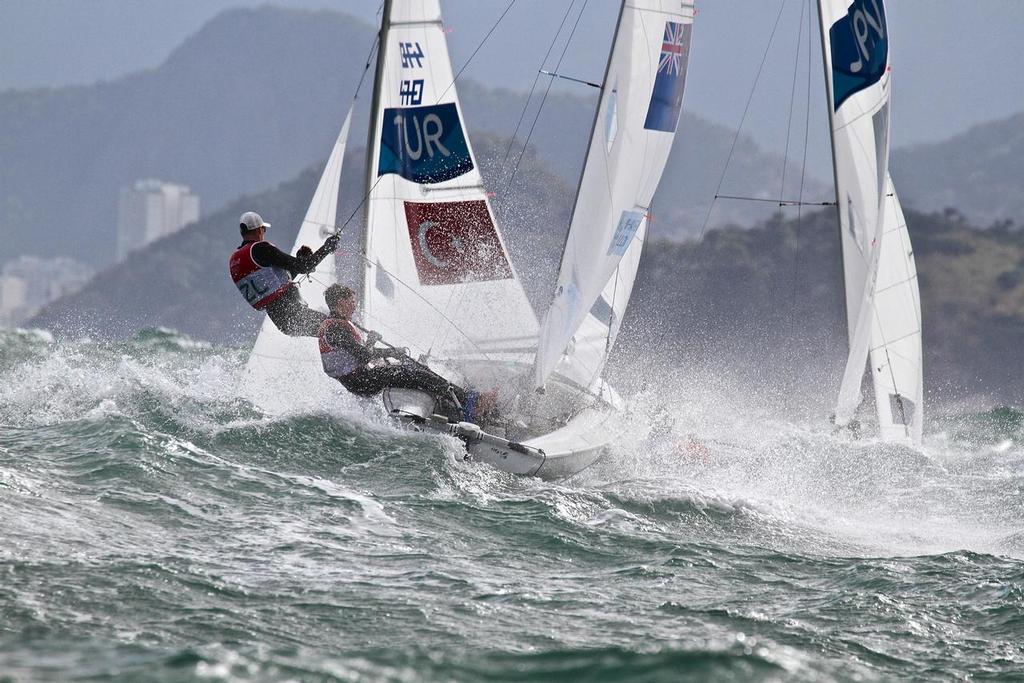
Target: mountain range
(258,95)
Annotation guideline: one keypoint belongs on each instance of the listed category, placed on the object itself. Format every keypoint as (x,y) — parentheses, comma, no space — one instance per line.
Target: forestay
(633,131)
(437,275)
(882,301)
(276,356)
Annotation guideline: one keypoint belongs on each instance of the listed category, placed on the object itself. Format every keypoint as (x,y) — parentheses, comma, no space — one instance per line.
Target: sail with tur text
(437,277)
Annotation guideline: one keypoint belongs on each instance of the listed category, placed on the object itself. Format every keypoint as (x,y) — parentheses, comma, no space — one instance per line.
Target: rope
(536,79)
(792,100)
(803,173)
(369,59)
(480,45)
(743,119)
(544,99)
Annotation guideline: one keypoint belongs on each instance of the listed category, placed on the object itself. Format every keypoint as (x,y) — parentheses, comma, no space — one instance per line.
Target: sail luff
(277,359)
(826,65)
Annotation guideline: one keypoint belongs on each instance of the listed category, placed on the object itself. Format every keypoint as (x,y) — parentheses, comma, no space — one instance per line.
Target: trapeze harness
(338,362)
(258,284)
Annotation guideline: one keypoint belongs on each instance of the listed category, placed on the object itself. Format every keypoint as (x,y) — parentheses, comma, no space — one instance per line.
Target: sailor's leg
(413,377)
(293,317)
(364,382)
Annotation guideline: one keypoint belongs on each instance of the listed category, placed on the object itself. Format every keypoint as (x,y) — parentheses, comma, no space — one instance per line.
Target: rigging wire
(480,45)
(803,166)
(792,100)
(544,99)
(369,60)
(533,88)
(743,119)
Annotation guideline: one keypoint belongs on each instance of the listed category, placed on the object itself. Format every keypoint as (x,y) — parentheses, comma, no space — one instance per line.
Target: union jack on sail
(669,80)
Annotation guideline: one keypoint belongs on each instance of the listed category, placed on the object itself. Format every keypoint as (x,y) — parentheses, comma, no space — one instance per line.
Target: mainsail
(883,316)
(276,356)
(437,277)
(896,330)
(633,131)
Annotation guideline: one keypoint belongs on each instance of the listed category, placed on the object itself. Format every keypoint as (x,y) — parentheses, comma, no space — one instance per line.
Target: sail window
(383,282)
(611,119)
(602,310)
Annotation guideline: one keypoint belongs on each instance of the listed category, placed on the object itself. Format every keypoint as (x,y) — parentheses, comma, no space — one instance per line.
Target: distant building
(28,283)
(151,209)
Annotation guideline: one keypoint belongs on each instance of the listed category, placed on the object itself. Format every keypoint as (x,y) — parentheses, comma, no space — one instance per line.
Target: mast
(371,136)
(825,61)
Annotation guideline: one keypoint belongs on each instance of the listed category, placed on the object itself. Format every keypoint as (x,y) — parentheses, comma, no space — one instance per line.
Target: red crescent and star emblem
(455,242)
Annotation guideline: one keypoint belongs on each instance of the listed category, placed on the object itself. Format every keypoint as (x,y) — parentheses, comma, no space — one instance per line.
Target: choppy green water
(157,527)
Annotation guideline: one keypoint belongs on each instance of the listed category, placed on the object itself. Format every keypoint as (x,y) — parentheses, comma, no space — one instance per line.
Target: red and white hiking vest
(258,284)
(338,362)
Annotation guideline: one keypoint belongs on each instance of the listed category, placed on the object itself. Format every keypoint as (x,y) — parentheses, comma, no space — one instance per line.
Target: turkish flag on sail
(455,242)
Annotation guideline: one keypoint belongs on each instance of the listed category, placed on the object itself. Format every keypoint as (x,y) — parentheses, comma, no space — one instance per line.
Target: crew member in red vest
(347,357)
(263,274)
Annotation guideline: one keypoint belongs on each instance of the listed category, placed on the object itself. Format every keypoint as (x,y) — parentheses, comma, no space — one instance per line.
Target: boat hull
(555,455)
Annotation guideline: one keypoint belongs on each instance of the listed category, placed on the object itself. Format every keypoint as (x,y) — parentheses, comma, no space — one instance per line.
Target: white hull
(555,455)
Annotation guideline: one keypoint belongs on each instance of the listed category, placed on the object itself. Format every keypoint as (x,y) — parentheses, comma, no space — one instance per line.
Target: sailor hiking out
(365,370)
(263,274)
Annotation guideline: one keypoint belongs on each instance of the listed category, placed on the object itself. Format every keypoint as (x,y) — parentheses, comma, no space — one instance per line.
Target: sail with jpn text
(881,294)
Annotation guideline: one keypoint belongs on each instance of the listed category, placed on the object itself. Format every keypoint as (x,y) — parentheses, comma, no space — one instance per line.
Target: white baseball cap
(251,220)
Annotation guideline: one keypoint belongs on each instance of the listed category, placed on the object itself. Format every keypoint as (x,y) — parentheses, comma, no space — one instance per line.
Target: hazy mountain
(978,172)
(258,95)
(765,305)
(249,101)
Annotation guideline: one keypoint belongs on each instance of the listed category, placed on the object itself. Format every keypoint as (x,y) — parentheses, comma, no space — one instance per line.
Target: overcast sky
(954,61)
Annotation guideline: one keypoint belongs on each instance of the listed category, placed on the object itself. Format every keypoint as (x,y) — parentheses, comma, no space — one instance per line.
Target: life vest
(338,362)
(258,284)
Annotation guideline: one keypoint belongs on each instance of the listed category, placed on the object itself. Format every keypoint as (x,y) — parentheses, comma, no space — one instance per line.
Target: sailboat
(883,304)
(436,277)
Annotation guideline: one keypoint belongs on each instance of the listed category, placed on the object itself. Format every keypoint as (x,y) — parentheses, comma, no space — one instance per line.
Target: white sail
(896,331)
(276,356)
(437,275)
(856,57)
(632,135)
